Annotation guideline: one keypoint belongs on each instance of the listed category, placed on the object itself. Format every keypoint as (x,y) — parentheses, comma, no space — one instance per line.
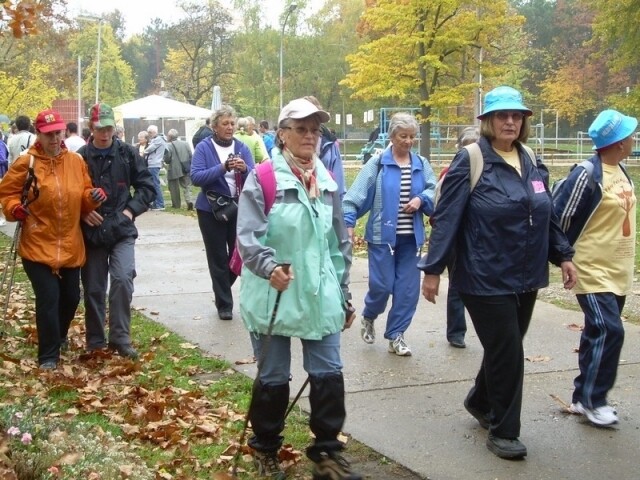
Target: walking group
(285,214)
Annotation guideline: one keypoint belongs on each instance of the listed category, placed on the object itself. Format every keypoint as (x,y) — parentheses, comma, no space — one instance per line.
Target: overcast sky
(138,13)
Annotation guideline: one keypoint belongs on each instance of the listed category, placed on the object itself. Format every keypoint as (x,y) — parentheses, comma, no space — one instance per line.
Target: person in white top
(22,140)
(73,140)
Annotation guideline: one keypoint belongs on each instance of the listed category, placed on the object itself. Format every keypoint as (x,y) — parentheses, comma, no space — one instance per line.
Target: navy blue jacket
(578,198)
(207,171)
(504,233)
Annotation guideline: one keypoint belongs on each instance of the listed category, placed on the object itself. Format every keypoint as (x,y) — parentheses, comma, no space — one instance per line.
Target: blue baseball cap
(610,127)
(503,98)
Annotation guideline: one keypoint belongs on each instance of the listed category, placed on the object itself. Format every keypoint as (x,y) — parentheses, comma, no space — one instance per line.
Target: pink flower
(19,415)
(14,431)
(26,438)
(53,470)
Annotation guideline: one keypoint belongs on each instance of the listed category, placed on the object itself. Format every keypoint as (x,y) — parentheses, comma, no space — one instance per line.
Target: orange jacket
(51,233)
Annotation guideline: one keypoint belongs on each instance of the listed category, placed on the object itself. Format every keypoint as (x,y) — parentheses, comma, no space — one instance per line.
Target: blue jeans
(155,174)
(600,346)
(320,357)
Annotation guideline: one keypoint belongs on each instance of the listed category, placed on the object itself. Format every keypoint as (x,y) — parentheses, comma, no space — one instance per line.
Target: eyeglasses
(503,115)
(303,131)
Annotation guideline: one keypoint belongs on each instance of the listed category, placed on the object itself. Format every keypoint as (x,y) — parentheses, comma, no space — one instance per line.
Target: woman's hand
(350,231)
(349,316)
(569,274)
(413,205)
(430,286)
(239,165)
(281,277)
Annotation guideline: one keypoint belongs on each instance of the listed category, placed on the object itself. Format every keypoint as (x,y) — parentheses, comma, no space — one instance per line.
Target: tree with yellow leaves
(416,49)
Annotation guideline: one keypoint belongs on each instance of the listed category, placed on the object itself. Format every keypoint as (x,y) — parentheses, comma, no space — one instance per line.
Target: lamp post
(93,18)
(290,9)
(551,110)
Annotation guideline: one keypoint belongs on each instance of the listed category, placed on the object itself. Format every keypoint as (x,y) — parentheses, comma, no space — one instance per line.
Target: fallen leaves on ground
(149,408)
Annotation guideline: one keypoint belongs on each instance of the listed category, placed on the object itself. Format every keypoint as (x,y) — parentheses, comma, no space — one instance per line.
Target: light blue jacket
(376,189)
(308,234)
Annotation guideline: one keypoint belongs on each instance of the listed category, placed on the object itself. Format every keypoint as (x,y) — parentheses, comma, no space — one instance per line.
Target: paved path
(410,409)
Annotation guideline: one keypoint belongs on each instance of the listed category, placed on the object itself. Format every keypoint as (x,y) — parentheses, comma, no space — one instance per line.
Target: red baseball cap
(49,121)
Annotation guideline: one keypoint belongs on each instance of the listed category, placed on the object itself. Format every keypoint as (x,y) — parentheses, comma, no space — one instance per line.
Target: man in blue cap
(597,210)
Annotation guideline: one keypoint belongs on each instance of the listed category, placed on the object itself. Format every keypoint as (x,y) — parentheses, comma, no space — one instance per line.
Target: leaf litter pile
(151,412)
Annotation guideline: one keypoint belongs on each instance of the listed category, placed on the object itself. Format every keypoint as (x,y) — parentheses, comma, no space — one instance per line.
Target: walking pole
(10,265)
(304,385)
(30,183)
(263,355)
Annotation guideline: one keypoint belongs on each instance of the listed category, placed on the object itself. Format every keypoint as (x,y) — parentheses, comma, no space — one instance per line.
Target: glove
(349,315)
(20,212)
(98,195)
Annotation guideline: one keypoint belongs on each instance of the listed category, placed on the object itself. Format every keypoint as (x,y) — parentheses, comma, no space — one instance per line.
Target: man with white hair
(178,160)
(155,155)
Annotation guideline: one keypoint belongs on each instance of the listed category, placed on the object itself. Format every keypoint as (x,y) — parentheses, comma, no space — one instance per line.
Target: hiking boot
(483,418)
(603,416)
(367,332)
(124,350)
(267,465)
(399,347)
(509,448)
(333,466)
(457,343)
(49,365)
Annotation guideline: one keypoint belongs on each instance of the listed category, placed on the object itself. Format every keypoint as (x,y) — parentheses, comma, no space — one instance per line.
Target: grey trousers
(174,190)
(116,269)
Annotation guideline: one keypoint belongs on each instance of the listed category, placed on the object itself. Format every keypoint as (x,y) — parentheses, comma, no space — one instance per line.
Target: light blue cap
(610,127)
(503,98)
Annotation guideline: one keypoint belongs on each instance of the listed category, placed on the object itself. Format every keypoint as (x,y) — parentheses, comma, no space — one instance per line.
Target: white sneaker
(367,332)
(604,416)
(399,347)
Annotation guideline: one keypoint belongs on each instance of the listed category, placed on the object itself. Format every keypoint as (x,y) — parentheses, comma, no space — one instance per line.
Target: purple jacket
(207,171)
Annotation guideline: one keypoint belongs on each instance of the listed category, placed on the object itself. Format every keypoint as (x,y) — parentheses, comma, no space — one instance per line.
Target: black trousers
(57,298)
(219,240)
(501,322)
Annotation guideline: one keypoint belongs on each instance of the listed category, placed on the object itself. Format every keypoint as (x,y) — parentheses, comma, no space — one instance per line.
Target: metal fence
(551,150)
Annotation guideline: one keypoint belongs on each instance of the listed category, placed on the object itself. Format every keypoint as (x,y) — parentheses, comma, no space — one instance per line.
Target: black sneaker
(267,465)
(510,448)
(225,315)
(49,365)
(483,418)
(124,350)
(333,466)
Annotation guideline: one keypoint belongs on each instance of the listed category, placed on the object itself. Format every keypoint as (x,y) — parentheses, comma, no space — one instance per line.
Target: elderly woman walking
(397,189)
(220,165)
(298,250)
(51,244)
(504,233)
(598,212)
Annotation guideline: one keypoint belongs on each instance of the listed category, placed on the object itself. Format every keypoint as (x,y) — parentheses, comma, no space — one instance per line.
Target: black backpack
(202,133)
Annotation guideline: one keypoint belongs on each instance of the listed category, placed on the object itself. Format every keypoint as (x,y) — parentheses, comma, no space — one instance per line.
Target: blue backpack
(4,158)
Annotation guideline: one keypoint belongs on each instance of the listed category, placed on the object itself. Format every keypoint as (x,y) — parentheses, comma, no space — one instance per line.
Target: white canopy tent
(157,107)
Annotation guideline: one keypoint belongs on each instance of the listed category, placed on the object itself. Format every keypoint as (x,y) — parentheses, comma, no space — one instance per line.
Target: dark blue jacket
(504,233)
(578,198)
(207,171)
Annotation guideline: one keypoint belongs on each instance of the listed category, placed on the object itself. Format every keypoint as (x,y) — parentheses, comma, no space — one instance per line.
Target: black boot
(266,413)
(326,399)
